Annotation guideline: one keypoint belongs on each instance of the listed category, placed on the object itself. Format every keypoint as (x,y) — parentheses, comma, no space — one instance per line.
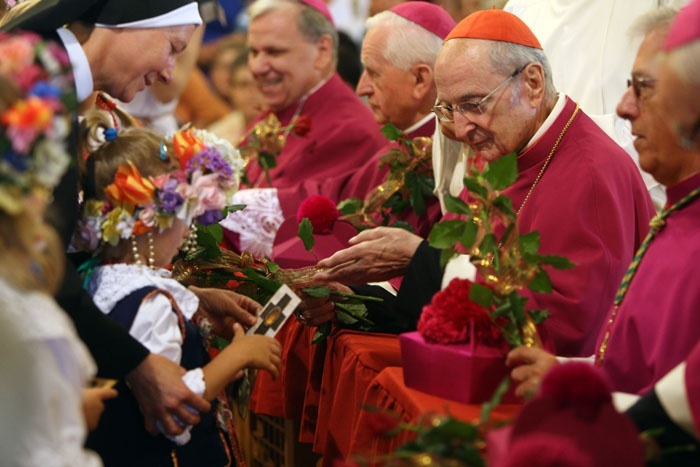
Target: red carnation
(302,125)
(321,212)
(451,318)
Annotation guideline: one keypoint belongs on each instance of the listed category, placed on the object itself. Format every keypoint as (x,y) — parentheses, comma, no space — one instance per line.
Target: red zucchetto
(685,28)
(426,15)
(495,25)
(320,6)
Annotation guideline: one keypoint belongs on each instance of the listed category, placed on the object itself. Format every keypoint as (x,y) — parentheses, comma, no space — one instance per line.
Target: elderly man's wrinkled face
(388,89)
(285,64)
(138,58)
(509,119)
(659,151)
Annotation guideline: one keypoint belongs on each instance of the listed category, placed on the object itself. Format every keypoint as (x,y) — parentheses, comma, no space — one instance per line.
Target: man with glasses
(653,324)
(576,186)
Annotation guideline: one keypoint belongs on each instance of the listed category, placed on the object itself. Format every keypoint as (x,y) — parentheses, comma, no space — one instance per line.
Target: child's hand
(93,404)
(259,351)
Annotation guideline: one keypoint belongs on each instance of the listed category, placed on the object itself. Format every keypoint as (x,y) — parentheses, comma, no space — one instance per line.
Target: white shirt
(52,429)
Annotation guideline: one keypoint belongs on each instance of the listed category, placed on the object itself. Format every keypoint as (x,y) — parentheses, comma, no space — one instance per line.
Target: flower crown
(35,128)
(208,175)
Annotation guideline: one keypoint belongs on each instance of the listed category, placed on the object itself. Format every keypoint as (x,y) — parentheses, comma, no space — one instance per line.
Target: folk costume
(157,310)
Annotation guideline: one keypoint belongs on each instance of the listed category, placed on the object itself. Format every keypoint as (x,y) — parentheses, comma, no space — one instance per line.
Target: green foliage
(350,206)
(350,310)
(306,233)
(487,230)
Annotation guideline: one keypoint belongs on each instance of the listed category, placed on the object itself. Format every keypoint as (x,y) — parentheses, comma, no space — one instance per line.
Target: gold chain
(549,158)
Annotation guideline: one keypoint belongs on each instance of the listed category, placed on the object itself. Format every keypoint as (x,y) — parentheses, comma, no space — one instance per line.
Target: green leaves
(306,233)
(350,206)
(391,132)
(350,310)
(446,234)
(502,172)
(481,294)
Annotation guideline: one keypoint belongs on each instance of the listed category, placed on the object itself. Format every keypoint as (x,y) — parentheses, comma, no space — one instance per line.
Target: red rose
(302,125)
(321,212)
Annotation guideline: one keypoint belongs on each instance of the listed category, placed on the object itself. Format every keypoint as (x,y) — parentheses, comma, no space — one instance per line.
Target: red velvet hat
(685,28)
(573,422)
(431,17)
(495,25)
(320,6)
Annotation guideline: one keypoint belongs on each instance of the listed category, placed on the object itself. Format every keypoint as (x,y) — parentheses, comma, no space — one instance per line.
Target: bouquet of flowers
(37,105)
(409,183)
(265,141)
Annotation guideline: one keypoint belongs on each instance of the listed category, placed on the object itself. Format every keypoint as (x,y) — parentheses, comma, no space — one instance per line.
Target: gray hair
(506,57)
(408,43)
(312,24)
(656,18)
(685,61)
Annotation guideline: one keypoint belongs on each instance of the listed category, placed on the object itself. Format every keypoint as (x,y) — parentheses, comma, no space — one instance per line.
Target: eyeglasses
(640,83)
(445,113)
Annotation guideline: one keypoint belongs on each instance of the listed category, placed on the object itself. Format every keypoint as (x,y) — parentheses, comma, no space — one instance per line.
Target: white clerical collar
(82,75)
(419,123)
(549,121)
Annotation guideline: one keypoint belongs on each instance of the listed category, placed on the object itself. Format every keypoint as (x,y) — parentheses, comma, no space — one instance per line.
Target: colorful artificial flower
(34,128)
(199,190)
(129,187)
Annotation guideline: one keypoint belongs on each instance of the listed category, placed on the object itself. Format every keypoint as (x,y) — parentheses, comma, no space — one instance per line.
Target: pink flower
(209,194)
(17,52)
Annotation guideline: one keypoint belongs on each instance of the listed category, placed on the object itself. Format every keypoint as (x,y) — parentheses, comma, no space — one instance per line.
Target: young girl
(46,371)
(141,194)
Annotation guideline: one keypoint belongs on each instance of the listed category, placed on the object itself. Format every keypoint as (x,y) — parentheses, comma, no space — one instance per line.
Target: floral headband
(208,176)
(34,129)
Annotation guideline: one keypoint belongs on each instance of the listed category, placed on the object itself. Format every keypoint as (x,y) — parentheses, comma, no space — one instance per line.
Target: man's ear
(325,49)
(534,82)
(423,80)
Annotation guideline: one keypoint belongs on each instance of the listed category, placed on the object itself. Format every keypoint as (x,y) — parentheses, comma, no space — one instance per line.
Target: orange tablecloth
(387,391)
(352,361)
(285,396)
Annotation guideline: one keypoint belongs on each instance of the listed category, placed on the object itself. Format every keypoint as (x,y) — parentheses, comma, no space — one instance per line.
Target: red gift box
(464,373)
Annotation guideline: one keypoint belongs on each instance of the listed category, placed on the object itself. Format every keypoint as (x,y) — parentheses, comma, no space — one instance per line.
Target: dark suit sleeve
(678,447)
(421,281)
(383,314)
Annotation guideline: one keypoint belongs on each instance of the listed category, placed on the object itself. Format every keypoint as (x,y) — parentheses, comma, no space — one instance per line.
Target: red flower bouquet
(452,318)
(465,332)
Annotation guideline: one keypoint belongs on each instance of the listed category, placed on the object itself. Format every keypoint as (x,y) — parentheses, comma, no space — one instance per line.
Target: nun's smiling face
(125,61)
